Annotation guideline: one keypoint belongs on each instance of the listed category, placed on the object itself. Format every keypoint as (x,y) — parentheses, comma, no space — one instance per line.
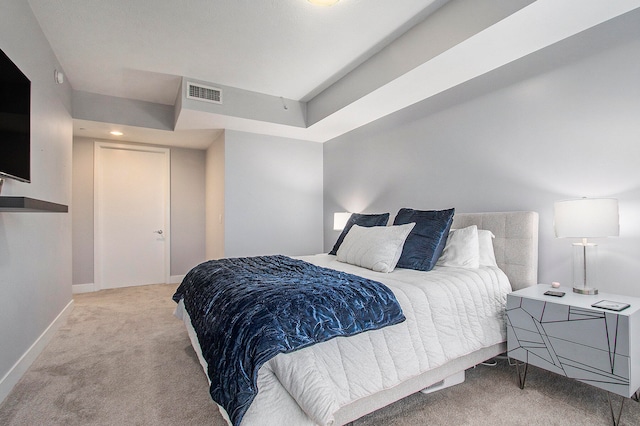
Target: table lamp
(340,220)
(586,218)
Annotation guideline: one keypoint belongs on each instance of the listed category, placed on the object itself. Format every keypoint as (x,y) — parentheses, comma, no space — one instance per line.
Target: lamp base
(585,290)
(584,268)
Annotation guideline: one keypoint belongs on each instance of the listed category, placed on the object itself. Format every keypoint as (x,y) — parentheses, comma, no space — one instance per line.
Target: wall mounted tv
(15,121)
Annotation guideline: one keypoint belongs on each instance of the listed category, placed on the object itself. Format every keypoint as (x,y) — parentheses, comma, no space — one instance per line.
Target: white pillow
(461,249)
(485,241)
(377,248)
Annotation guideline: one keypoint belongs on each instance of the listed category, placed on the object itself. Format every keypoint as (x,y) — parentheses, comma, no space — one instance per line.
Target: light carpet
(123,359)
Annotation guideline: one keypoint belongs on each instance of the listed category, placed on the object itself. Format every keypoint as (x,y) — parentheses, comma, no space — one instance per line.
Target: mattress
(451,313)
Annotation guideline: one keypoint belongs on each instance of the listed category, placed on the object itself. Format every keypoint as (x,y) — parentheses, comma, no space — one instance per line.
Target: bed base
(368,405)
(454,379)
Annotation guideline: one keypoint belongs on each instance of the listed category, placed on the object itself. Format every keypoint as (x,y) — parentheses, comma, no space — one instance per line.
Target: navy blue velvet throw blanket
(247,310)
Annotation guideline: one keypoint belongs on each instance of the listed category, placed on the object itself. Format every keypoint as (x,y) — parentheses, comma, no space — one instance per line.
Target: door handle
(159,232)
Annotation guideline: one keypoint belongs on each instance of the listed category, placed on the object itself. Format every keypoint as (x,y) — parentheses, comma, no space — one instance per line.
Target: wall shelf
(25,204)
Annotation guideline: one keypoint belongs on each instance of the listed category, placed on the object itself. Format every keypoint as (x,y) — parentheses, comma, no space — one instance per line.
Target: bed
(454,320)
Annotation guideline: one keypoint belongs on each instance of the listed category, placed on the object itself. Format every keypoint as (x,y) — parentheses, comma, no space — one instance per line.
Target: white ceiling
(140,50)
(290,48)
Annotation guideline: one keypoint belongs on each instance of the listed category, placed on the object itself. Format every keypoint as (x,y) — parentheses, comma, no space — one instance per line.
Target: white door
(131,200)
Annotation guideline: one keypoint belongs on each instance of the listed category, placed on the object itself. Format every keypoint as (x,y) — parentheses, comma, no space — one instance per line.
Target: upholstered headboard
(515,244)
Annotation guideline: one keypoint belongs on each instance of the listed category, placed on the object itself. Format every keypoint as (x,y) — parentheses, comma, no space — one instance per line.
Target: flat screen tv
(15,121)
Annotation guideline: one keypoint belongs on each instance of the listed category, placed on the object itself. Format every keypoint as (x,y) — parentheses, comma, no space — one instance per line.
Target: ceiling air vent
(204,93)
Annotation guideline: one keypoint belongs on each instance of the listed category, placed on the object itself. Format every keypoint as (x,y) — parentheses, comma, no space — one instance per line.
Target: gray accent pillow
(366,220)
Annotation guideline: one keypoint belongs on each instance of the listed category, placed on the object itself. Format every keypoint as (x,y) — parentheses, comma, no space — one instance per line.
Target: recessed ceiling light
(324,2)
(116,133)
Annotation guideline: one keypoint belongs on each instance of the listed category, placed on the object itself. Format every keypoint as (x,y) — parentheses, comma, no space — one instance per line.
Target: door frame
(97,204)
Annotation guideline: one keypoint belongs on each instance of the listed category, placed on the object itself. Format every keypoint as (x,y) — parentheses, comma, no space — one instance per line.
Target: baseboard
(83,288)
(91,287)
(175,279)
(20,367)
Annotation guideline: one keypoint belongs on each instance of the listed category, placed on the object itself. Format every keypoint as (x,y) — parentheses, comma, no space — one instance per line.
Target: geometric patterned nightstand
(567,336)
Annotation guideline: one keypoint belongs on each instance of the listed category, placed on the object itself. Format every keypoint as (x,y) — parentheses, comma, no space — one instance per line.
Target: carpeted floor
(123,359)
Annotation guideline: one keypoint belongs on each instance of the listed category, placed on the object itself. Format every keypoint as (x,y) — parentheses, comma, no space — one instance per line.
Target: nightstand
(567,336)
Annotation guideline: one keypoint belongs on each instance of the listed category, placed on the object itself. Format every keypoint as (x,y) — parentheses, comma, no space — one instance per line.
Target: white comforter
(450,312)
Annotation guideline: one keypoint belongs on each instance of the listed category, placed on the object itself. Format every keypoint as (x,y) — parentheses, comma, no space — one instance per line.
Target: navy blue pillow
(366,220)
(426,241)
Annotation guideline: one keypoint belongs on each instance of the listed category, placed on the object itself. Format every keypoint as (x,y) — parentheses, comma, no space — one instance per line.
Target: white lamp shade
(324,2)
(586,218)
(340,220)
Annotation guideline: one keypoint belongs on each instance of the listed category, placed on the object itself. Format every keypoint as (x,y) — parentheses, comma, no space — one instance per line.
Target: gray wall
(215,199)
(273,195)
(35,248)
(187,210)
(558,124)
(82,210)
